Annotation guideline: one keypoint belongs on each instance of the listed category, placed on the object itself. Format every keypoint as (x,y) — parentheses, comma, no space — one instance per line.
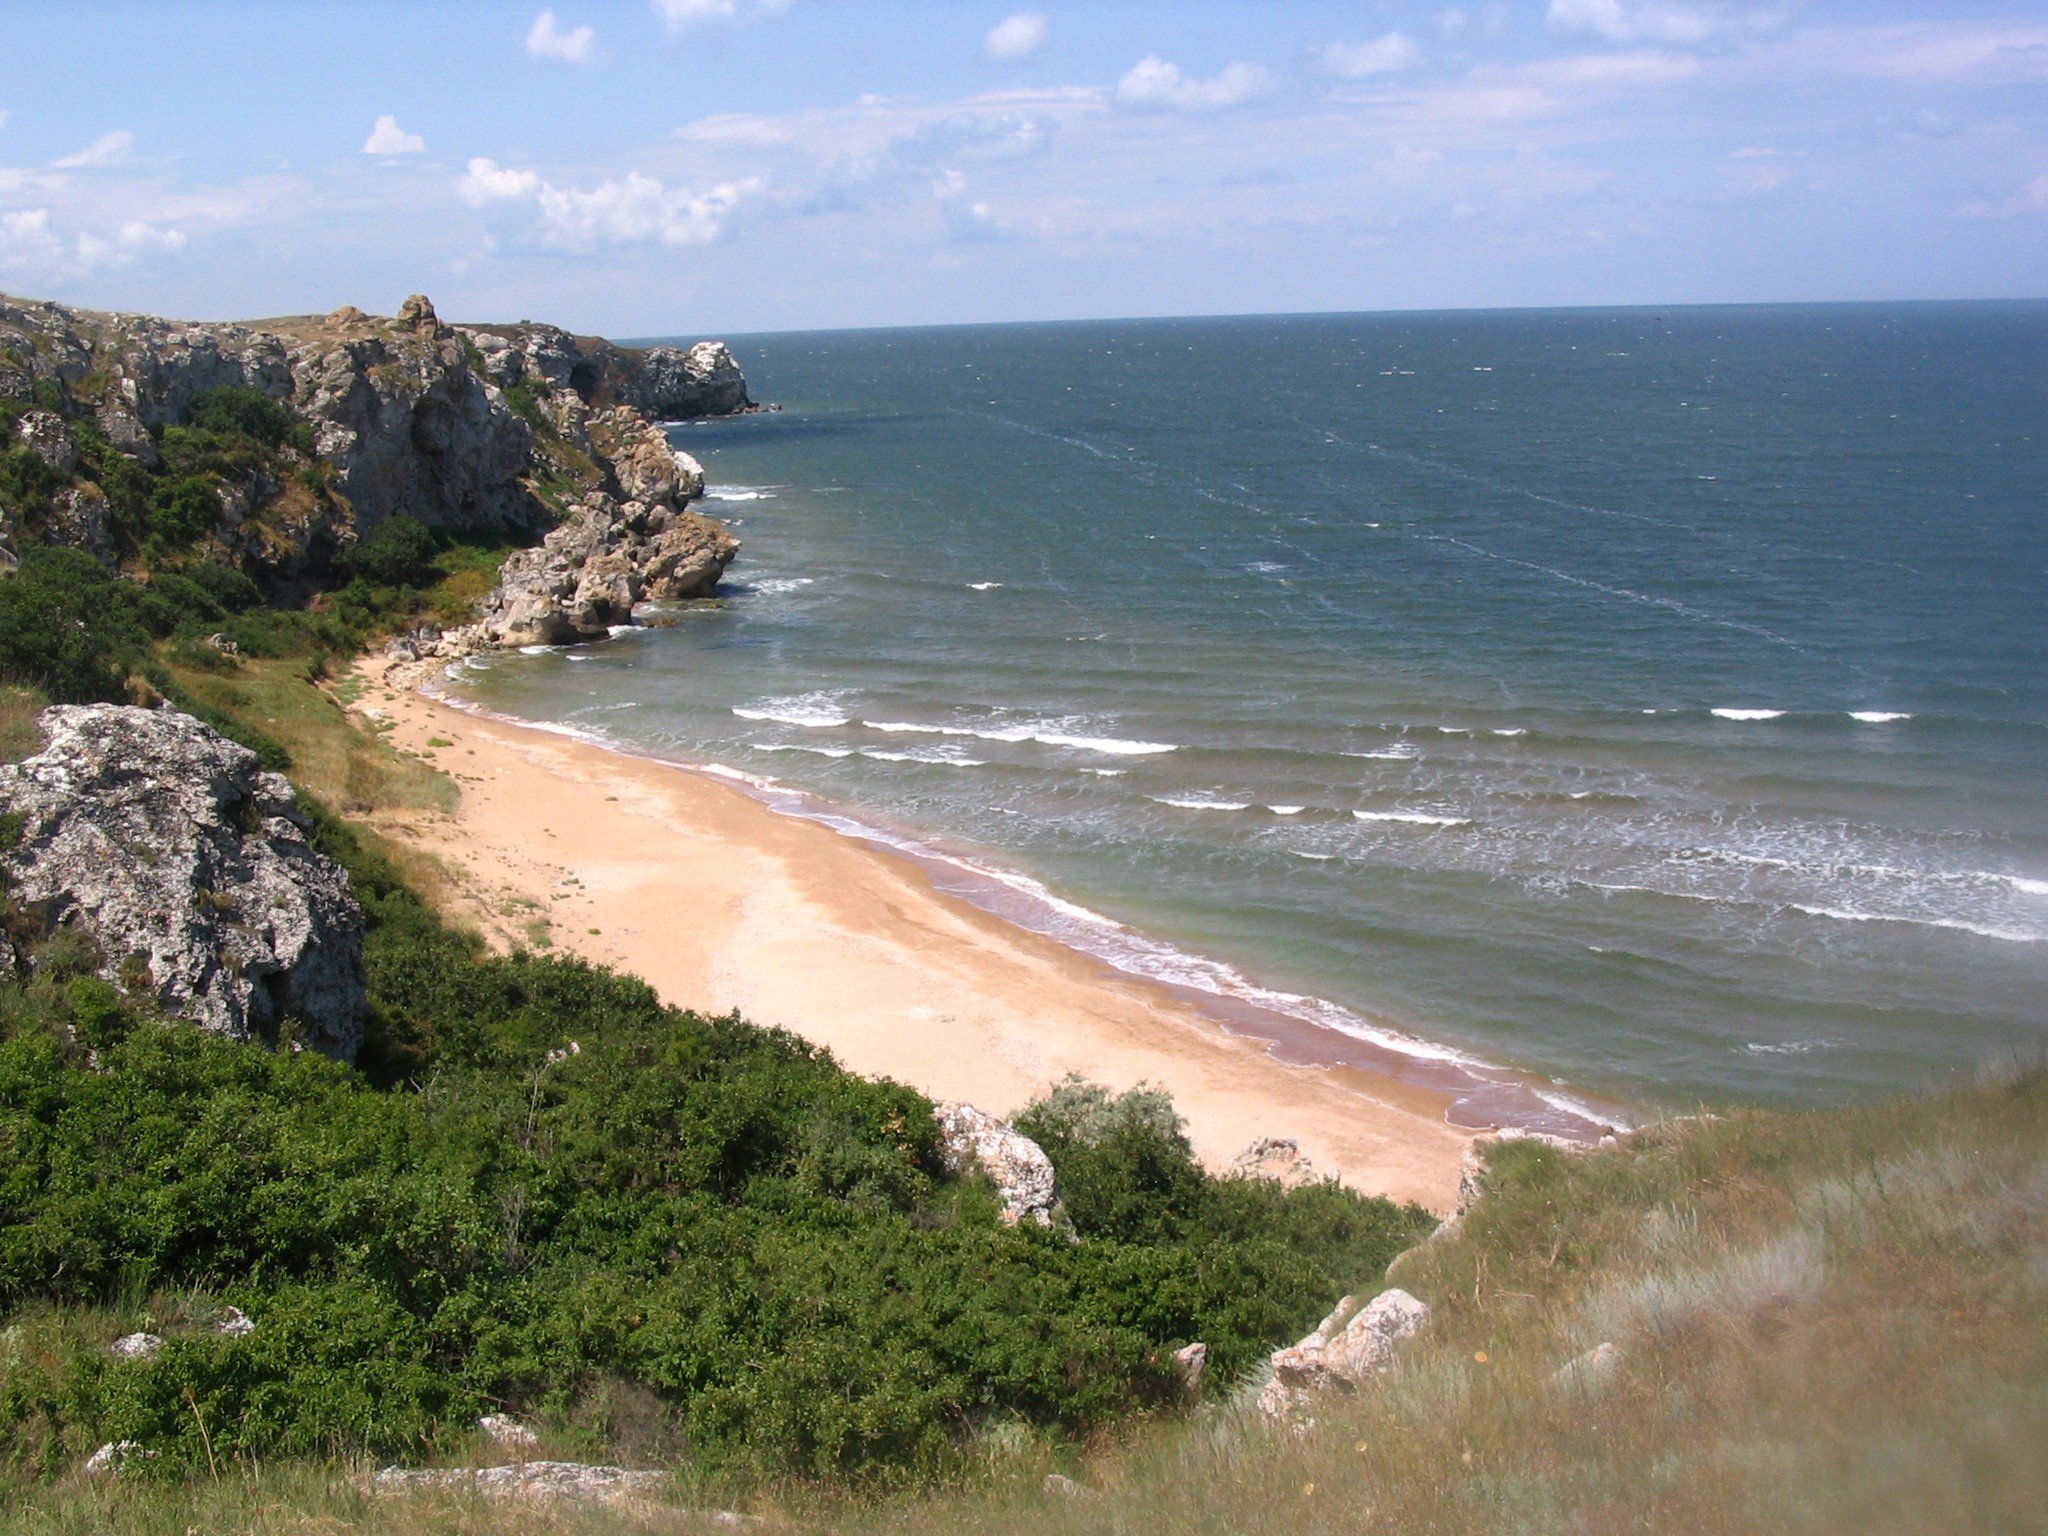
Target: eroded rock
(971,1140)
(529,1482)
(135,1346)
(1349,1345)
(188,867)
(1276,1158)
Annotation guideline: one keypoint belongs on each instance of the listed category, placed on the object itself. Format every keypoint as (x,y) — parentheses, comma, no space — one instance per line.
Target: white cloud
(1381,56)
(387,138)
(638,210)
(104,150)
(134,238)
(1153,82)
(486,181)
(1016,38)
(547,40)
(1633,21)
(26,239)
(2031,198)
(683,15)
(634,209)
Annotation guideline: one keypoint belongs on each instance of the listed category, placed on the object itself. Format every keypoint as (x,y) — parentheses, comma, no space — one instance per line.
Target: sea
(1645,709)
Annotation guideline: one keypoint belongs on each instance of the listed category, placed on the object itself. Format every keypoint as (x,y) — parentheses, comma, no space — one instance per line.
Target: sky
(658,167)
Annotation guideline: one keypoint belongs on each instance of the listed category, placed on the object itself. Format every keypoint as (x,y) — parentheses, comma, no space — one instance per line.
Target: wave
(738,493)
(1748,714)
(1982,930)
(1110,744)
(983,586)
(771,746)
(1518,730)
(1392,754)
(1196,803)
(1286,810)
(1789,1047)
(1320,858)
(934,759)
(540,650)
(773,586)
(813,711)
(1418,818)
(2022,883)
(1878,716)
(738,776)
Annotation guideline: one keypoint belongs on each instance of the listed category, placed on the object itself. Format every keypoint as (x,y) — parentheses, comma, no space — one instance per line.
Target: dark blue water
(1658,700)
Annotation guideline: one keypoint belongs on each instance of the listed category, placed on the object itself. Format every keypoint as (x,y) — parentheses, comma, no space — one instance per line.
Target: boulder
(673,384)
(1191,1363)
(188,867)
(1349,1345)
(233,1322)
(971,1140)
(135,1346)
(1271,1157)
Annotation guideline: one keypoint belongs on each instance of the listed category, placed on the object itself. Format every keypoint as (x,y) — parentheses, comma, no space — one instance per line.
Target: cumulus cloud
(486,181)
(387,138)
(683,15)
(1381,56)
(1015,38)
(29,241)
(1635,21)
(104,150)
(547,40)
(630,210)
(1153,82)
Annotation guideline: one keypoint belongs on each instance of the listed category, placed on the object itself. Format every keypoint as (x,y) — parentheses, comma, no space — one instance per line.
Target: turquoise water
(1658,701)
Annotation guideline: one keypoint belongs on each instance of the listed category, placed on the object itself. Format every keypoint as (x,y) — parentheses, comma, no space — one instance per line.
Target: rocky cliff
(187,869)
(479,430)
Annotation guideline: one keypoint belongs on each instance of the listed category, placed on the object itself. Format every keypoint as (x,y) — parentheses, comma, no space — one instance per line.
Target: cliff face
(479,430)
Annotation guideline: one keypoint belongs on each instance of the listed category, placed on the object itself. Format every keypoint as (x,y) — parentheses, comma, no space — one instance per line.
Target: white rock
(1277,1158)
(507,1431)
(110,1458)
(1014,1163)
(535,1482)
(234,1322)
(1189,1364)
(135,1346)
(1349,1345)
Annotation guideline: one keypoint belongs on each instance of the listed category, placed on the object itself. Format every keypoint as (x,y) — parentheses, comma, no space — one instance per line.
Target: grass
(19,735)
(1828,1322)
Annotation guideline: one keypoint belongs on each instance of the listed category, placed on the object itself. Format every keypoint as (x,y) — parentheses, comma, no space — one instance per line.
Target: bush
(65,628)
(398,552)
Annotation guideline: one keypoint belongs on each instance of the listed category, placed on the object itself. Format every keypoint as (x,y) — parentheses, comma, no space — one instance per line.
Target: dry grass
(19,735)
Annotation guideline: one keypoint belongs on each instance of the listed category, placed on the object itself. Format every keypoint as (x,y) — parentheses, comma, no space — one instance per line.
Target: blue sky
(735,165)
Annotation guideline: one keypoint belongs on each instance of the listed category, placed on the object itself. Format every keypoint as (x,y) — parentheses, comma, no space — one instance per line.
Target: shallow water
(1658,700)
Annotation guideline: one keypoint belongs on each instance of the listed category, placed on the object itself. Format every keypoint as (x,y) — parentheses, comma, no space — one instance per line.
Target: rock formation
(528,1482)
(1349,1345)
(188,868)
(1271,1157)
(477,429)
(971,1140)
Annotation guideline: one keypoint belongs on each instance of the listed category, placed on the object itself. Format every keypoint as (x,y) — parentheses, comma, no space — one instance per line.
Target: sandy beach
(722,903)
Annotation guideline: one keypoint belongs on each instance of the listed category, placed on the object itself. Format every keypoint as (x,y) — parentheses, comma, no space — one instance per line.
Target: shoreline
(722,903)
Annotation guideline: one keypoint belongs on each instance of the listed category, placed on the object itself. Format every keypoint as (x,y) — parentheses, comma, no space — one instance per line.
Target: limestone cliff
(508,430)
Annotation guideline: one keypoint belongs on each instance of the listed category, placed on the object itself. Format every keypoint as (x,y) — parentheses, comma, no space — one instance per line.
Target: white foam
(934,758)
(813,711)
(540,650)
(1110,744)
(1196,803)
(1982,930)
(983,586)
(775,586)
(1878,716)
(771,746)
(1419,818)
(2022,883)
(1387,754)
(1286,810)
(1789,1047)
(616,630)
(1455,730)
(1512,731)
(1320,858)
(737,493)
(1748,714)
(1107,773)
(720,770)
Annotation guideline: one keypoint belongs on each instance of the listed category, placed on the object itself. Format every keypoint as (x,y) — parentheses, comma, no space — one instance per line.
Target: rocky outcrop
(1272,1157)
(1348,1346)
(477,429)
(529,1482)
(973,1141)
(507,1431)
(188,868)
(589,574)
